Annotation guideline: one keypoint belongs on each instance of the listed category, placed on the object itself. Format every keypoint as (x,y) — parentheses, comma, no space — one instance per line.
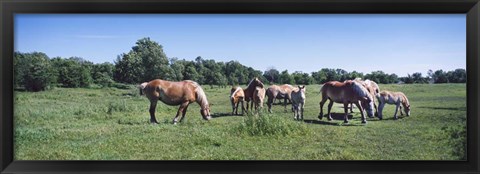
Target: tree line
(146,61)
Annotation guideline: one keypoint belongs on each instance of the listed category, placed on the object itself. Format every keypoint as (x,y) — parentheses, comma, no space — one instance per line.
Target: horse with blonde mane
(372,88)
(278,92)
(237,96)
(396,98)
(258,97)
(346,92)
(298,102)
(252,85)
(175,93)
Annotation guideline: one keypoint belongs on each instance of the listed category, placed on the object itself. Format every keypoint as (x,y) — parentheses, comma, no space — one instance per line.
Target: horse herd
(361,93)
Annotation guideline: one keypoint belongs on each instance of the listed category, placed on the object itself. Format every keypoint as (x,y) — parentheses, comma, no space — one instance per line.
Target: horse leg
(285,104)
(351,107)
(376,109)
(320,116)
(183,113)
(329,109)
(295,111)
(401,110)
(380,110)
(345,109)
(180,110)
(153,105)
(302,109)
(269,104)
(243,108)
(364,120)
(396,109)
(233,106)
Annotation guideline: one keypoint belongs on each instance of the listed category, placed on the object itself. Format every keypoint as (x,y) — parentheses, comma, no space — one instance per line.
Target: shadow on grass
(217,115)
(339,116)
(321,122)
(389,118)
(445,108)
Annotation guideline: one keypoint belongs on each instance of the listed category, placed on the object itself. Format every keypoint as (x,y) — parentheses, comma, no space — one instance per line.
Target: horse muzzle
(207,117)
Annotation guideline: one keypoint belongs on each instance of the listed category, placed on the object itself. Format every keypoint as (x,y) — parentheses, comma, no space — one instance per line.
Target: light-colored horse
(175,93)
(278,92)
(237,96)
(258,98)
(298,102)
(373,89)
(396,98)
(252,85)
(346,93)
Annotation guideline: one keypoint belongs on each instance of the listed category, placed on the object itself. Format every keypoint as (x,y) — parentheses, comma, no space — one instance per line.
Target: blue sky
(400,43)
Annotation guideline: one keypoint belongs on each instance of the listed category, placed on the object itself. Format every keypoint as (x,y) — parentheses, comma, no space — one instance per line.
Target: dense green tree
(272,75)
(102,74)
(73,72)
(144,62)
(286,78)
(457,76)
(33,71)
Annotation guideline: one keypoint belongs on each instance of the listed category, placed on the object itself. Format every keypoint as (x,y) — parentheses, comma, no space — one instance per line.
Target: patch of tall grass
(270,125)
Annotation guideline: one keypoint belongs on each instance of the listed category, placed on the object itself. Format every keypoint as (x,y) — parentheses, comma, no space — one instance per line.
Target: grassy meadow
(113,124)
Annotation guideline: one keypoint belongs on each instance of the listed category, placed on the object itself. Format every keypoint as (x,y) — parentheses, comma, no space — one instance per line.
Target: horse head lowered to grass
(175,93)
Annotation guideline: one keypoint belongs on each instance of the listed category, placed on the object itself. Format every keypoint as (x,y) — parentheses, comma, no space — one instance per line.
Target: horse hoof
(345,122)
(364,122)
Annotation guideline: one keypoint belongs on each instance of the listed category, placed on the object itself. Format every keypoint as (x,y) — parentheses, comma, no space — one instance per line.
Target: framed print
(125,86)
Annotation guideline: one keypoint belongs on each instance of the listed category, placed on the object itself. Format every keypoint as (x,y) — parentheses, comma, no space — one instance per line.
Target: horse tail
(141,87)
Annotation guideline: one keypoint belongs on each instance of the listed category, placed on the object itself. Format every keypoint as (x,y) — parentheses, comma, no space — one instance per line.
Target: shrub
(34,71)
(268,125)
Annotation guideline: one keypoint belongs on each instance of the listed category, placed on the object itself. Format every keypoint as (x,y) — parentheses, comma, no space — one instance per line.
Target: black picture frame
(10,7)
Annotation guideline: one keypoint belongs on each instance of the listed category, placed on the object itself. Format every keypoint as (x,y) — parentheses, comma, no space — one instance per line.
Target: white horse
(298,102)
(395,98)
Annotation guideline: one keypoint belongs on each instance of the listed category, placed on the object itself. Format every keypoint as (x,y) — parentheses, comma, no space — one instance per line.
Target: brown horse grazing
(278,92)
(176,93)
(346,93)
(254,83)
(236,97)
(258,97)
(396,98)
(373,89)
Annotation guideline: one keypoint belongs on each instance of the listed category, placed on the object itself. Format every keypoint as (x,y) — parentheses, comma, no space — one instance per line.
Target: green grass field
(113,124)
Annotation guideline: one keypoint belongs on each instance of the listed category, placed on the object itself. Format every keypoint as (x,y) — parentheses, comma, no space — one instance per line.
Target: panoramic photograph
(240,87)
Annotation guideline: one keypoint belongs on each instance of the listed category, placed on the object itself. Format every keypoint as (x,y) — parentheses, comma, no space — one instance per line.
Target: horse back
(171,93)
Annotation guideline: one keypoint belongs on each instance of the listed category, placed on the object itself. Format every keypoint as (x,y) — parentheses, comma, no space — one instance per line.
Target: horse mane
(360,90)
(405,101)
(201,97)
(249,83)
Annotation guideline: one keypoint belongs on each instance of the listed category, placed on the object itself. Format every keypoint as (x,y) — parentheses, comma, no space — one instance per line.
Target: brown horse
(396,98)
(278,92)
(258,97)
(254,83)
(346,93)
(176,93)
(237,96)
